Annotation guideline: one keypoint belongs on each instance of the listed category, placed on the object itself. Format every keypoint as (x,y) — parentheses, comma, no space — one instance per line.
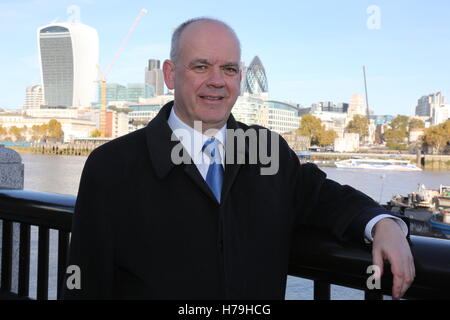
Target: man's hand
(389,243)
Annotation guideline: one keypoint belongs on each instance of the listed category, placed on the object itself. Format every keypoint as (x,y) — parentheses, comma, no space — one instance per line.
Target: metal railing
(47,212)
(319,256)
(326,261)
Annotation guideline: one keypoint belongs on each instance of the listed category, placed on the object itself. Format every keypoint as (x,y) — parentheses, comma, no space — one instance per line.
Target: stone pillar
(12,178)
(11,169)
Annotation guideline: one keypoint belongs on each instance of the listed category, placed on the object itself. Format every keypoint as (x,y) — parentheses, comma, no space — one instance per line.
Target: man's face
(206,76)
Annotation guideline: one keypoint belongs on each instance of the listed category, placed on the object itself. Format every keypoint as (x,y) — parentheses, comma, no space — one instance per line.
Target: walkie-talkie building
(69,56)
(255,80)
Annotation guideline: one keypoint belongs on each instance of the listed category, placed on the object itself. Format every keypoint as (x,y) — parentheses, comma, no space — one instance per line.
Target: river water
(61,174)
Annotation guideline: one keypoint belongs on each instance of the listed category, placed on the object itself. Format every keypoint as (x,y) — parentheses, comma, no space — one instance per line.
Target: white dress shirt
(194,140)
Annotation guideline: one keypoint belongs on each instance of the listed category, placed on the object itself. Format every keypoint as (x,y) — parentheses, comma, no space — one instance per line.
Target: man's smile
(211,97)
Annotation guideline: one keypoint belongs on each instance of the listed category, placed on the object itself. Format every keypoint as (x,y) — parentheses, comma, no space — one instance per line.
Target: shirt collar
(186,134)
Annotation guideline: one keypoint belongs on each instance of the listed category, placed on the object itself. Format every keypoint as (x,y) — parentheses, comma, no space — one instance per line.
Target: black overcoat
(147,228)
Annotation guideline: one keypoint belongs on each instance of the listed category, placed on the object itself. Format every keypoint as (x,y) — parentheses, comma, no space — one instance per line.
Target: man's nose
(216,78)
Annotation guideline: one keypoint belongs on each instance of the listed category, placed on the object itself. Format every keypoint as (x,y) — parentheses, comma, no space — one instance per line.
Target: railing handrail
(36,208)
(321,256)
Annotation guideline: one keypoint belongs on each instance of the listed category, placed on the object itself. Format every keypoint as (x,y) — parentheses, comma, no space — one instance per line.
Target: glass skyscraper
(69,57)
(255,79)
(131,93)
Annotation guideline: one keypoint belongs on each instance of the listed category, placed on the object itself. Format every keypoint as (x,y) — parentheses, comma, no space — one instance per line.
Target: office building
(329,106)
(138,90)
(140,115)
(255,80)
(34,97)
(154,77)
(116,124)
(131,93)
(283,117)
(435,107)
(68,57)
(278,116)
(440,114)
(251,110)
(426,104)
(114,92)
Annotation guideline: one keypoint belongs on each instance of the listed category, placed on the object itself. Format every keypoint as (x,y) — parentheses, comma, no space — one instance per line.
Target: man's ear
(169,74)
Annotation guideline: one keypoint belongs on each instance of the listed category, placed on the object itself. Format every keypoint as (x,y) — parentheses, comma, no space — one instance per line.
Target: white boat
(377,164)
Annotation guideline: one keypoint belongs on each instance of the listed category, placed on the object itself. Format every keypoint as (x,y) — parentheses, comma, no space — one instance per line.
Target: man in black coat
(157,219)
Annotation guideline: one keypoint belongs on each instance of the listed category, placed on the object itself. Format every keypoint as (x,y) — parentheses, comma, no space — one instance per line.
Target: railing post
(7,237)
(24,260)
(373,295)
(43,261)
(321,290)
(63,248)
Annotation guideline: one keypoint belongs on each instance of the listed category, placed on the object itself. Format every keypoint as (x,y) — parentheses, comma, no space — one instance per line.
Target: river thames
(61,174)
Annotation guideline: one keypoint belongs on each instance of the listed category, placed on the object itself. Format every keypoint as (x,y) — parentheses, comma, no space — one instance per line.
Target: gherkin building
(255,81)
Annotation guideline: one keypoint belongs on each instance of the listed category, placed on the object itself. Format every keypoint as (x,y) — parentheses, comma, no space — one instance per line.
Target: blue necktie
(214,177)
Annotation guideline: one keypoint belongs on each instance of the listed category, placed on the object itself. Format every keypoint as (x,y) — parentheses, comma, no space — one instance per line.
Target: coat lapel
(160,146)
(159,142)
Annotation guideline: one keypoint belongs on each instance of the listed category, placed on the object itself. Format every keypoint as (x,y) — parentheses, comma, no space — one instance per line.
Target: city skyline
(311,52)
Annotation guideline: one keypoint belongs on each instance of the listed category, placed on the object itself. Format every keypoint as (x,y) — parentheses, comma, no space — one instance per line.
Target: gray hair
(174,49)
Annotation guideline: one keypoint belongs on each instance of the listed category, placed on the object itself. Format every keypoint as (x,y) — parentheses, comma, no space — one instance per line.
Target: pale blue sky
(312,50)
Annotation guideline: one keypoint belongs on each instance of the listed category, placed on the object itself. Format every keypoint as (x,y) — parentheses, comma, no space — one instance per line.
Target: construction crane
(103,75)
(367,104)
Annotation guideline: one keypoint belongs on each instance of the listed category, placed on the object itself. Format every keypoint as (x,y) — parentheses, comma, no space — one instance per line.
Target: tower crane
(103,75)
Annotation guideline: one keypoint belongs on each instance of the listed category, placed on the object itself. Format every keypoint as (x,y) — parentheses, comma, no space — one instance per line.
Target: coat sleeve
(324,203)
(91,246)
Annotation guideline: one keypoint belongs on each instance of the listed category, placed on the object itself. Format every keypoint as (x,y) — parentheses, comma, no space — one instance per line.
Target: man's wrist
(384,221)
(371,230)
